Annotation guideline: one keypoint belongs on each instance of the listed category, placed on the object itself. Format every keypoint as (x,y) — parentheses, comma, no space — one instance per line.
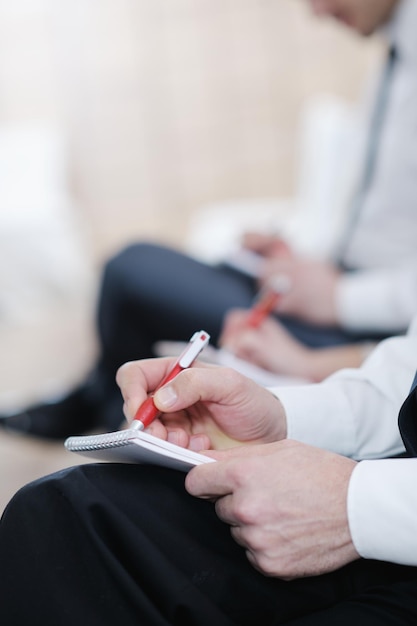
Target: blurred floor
(25,459)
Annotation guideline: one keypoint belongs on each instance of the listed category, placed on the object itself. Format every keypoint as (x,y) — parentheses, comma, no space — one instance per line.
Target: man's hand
(285,503)
(269,345)
(204,406)
(268,246)
(312,296)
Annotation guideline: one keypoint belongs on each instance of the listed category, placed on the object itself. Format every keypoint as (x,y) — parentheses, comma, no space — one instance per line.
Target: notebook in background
(219,356)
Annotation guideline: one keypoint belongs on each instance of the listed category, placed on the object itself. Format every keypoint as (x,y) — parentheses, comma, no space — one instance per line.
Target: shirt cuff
(367,301)
(382,510)
(317,416)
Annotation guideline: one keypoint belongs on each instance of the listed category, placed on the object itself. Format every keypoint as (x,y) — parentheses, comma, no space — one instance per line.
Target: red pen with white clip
(147,412)
(268,299)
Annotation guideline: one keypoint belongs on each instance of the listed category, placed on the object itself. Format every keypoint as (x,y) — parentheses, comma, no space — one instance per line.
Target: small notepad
(135,446)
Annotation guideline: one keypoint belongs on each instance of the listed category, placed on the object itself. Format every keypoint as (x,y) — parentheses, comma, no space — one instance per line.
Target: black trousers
(125,544)
(151,292)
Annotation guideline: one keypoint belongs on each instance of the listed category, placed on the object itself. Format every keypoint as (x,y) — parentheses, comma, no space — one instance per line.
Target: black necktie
(407,420)
(374,138)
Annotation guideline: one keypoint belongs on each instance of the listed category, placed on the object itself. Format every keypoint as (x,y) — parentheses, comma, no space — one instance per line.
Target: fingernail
(166,396)
(173,437)
(197,443)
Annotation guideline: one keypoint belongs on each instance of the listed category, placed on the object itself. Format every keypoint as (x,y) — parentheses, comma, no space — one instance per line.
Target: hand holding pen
(147,412)
(265,303)
(268,299)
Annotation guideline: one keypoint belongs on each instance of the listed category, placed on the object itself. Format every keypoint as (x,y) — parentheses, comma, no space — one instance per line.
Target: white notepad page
(135,446)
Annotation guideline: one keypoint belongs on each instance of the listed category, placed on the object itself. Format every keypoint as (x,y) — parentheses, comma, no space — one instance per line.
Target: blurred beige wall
(170,104)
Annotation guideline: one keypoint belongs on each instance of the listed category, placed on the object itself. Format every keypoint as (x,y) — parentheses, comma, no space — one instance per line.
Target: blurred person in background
(333,309)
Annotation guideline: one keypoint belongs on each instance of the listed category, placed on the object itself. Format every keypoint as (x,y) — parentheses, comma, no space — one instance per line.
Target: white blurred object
(219,356)
(326,171)
(47,280)
(329,146)
(215,230)
(43,256)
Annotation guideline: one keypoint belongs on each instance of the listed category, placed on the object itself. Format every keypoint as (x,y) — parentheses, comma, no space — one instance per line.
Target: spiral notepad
(135,446)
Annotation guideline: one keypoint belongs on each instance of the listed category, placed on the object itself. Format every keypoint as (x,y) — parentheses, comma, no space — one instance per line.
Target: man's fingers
(216,480)
(137,378)
(202,383)
(208,481)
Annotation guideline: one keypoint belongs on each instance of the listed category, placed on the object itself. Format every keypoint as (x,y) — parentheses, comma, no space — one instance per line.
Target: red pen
(268,299)
(147,412)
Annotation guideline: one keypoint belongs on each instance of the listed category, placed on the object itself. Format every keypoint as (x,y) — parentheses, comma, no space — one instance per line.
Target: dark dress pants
(118,544)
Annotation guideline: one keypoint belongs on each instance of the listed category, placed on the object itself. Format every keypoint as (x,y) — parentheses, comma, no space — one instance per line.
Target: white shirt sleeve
(381,295)
(355,413)
(377,300)
(382,510)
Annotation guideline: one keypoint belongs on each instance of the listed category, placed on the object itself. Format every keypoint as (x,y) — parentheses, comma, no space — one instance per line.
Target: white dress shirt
(355,413)
(383,243)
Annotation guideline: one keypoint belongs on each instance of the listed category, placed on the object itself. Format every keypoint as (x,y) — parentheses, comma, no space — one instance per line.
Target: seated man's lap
(145,539)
